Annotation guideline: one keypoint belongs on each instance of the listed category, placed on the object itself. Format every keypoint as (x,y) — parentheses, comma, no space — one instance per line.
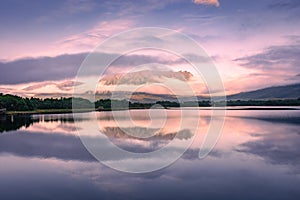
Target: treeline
(107,104)
(16,103)
(283,102)
(16,124)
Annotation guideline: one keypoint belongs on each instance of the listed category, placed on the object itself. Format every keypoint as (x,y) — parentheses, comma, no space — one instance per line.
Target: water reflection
(15,122)
(10,123)
(276,144)
(257,157)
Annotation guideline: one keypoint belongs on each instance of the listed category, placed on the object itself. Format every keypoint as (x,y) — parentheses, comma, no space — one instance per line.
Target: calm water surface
(256,157)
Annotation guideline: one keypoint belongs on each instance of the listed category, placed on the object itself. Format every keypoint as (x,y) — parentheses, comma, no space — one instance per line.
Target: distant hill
(144,97)
(275,92)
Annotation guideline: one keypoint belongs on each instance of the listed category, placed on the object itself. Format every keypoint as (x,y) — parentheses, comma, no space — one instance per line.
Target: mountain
(275,92)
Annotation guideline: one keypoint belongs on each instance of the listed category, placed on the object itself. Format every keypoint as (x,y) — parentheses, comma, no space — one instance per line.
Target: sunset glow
(252,45)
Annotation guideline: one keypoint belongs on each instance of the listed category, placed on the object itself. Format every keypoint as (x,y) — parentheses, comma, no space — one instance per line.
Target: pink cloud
(208,2)
(145,77)
(87,40)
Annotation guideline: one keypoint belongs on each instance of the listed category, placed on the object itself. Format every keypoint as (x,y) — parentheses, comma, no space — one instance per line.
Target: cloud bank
(66,66)
(40,69)
(276,58)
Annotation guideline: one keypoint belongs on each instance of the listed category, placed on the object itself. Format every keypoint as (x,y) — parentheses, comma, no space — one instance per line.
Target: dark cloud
(40,69)
(66,66)
(193,154)
(285,57)
(293,38)
(285,4)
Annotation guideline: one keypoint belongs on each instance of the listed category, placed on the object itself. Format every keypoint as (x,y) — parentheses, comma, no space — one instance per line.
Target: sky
(253,44)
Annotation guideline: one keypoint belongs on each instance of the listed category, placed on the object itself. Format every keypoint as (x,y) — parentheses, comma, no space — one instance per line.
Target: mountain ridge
(291,91)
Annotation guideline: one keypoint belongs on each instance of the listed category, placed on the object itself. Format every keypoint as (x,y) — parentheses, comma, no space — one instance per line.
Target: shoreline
(50,111)
(66,111)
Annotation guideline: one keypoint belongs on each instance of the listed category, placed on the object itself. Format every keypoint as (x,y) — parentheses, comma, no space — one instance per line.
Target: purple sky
(254,44)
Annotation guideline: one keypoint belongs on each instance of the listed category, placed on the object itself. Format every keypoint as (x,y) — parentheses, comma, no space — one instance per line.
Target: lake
(257,156)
